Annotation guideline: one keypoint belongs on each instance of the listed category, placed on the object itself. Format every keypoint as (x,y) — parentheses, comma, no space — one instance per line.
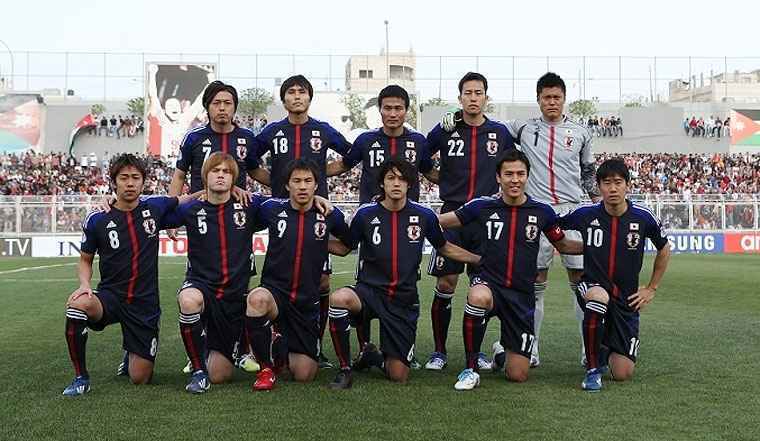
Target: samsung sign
(693,243)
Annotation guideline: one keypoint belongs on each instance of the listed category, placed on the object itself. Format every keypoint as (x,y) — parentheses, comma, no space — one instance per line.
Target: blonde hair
(214,160)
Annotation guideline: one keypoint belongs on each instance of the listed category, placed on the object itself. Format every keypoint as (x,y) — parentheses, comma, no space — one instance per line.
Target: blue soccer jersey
(613,247)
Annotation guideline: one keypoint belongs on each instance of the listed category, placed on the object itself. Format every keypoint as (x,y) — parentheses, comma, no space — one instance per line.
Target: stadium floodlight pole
(10,52)
(387,57)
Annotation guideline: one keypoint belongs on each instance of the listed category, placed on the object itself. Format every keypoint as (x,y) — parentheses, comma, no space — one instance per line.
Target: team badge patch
(241,141)
(320,229)
(316,144)
(439,261)
(492,135)
(531,232)
(320,217)
(492,147)
(634,226)
(239,218)
(242,151)
(414,219)
(411,155)
(414,232)
(410,144)
(532,219)
(237,206)
(146,213)
(632,240)
(150,226)
(315,133)
(569,142)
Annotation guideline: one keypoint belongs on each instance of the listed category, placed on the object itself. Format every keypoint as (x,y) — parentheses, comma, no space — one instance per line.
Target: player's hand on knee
(641,298)
(450,119)
(81,291)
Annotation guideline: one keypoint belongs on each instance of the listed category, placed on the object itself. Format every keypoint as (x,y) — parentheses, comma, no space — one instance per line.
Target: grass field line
(35,268)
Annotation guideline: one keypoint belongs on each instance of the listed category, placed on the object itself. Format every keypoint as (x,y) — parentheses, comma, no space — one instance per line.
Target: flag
(745,127)
(19,122)
(85,122)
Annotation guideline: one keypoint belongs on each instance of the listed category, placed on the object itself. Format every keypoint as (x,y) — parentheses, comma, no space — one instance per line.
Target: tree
(634,101)
(355,106)
(98,109)
(136,106)
(411,115)
(582,109)
(254,101)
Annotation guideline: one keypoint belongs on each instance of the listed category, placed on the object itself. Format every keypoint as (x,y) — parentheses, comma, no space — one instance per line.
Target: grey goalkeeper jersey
(562,167)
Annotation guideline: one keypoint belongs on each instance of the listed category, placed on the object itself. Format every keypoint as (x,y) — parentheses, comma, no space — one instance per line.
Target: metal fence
(30,215)
(117,76)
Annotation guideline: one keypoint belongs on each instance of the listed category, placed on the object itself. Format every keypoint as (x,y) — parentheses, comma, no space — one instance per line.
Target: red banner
(747,242)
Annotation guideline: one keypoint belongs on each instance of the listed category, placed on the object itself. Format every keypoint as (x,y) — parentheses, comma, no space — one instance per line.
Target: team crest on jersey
(439,261)
(531,232)
(411,155)
(320,217)
(320,229)
(150,227)
(492,147)
(242,151)
(239,218)
(414,232)
(632,240)
(316,144)
(569,142)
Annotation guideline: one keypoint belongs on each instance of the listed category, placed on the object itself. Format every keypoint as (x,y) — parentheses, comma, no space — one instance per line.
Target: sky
(643,28)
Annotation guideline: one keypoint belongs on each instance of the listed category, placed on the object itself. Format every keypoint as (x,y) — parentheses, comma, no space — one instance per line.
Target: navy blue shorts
(515,310)
(621,324)
(398,321)
(468,237)
(223,320)
(139,322)
(297,323)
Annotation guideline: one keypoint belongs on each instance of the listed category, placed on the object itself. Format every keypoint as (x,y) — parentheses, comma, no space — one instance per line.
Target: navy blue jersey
(298,247)
(511,235)
(203,141)
(390,246)
(219,241)
(286,142)
(374,147)
(613,247)
(467,158)
(127,242)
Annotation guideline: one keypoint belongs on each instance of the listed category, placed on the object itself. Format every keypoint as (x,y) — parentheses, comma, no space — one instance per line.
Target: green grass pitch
(697,378)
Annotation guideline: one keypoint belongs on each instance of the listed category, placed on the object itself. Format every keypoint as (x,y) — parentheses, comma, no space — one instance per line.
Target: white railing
(38,215)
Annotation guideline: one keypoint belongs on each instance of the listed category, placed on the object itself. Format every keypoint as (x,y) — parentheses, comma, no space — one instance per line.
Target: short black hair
(393,91)
(611,168)
(126,160)
(473,76)
(215,87)
(296,80)
(305,164)
(511,155)
(407,170)
(550,79)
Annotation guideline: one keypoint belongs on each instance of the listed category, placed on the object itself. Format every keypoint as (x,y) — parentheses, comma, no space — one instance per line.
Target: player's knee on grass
(140,369)
(303,368)
(518,368)
(220,369)
(621,367)
(598,294)
(260,302)
(396,370)
(190,301)
(480,296)
(447,283)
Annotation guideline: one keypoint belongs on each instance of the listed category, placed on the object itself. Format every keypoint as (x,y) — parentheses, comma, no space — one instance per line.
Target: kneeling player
(511,224)
(126,238)
(391,233)
(613,237)
(289,294)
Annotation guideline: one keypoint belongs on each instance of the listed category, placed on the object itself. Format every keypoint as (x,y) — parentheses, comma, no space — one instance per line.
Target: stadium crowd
(712,127)
(119,127)
(735,175)
(604,127)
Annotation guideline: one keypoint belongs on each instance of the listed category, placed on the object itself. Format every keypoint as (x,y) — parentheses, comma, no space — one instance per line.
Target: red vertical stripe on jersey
(552,185)
(511,249)
(393,147)
(223,252)
(611,260)
(135,255)
(473,162)
(394,254)
(298,142)
(225,143)
(297,262)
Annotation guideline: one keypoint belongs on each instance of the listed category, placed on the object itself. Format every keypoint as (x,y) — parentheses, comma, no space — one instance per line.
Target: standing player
(560,154)
(288,296)
(467,170)
(391,233)
(295,137)
(126,238)
(614,233)
(510,224)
